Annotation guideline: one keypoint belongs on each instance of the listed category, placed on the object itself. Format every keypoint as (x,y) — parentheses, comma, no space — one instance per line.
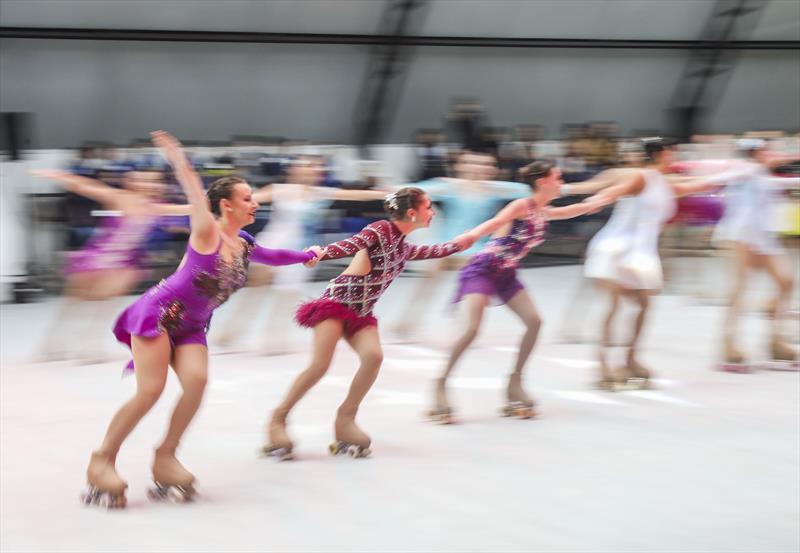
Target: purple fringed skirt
(483,276)
(314,312)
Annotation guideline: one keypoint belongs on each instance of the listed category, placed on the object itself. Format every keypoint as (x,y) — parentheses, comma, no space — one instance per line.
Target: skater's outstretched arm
(354,195)
(693,185)
(274,257)
(602,180)
(574,210)
(364,239)
(83,186)
(204,236)
(515,210)
(629,183)
(267,194)
(437,251)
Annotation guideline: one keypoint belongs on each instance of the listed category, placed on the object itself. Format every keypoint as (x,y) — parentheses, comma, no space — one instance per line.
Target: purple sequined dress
(493,271)
(118,244)
(181,305)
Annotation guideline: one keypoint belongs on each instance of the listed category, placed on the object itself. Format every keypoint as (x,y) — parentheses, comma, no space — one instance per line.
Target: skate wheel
(784,366)
(366,452)
(281,453)
(737,368)
(607,385)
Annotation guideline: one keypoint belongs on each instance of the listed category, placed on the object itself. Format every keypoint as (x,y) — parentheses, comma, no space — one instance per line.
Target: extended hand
(170,145)
(317,256)
(464,241)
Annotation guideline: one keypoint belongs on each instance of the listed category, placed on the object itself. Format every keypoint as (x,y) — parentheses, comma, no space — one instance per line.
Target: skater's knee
(317,369)
(148,395)
(785,284)
(533,323)
(372,357)
(196,383)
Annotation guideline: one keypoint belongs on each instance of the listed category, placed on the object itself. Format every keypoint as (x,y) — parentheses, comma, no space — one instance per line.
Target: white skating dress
(750,211)
(625,251)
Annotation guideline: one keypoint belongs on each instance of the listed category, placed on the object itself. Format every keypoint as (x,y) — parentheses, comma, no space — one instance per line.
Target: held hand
(317,256)
(465,241)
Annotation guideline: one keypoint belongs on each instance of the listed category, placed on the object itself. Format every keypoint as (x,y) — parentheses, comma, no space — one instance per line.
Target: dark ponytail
(535,171)
(653,146)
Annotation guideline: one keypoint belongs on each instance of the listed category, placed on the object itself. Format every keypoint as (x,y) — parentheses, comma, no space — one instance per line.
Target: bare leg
(779,350)
(633,367)
(607,378)
(326,335)
(191,365)
(744,262)
(475,304)
(366,343)
(151,358)
(522,305)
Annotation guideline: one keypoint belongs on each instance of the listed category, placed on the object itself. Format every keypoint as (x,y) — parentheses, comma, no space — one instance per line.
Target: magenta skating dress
(118,244)
(181,305)
(493,271)
(351,298)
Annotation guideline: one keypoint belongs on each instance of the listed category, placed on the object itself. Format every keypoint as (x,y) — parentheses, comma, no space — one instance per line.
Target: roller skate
(734,360)
(608,380)
(173,482)
(633,376)
(442,412)
(279,446)
(106,488)
(782,357)
(350,440)
(519,403)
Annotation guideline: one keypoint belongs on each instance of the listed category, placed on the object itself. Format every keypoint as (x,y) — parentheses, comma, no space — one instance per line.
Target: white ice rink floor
(708,461)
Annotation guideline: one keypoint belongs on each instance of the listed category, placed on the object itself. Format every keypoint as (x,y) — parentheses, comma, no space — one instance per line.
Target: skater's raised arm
(204,231)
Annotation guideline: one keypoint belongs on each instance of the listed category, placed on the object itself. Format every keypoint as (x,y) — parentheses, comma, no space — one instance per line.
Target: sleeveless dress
(118,244)
(625,250)
(493,271)
(182,304)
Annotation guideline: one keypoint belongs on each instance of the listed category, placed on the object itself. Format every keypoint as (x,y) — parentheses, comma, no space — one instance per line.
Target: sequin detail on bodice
(388,253)
(202,283)
(505,252)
